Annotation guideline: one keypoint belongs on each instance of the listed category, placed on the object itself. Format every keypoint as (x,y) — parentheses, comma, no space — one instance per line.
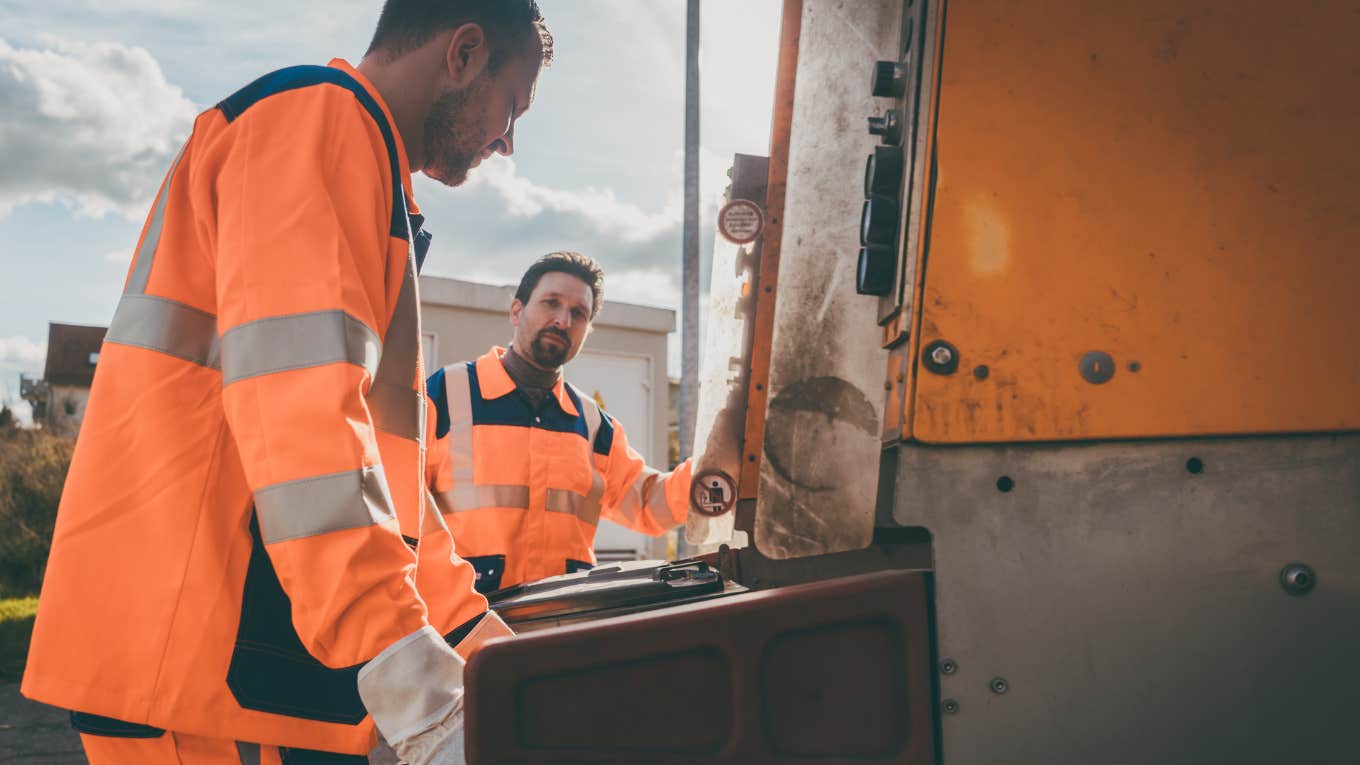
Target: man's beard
(448,131)
(550,356)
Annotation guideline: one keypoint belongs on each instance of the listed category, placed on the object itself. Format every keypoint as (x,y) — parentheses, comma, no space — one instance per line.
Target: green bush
(33,466)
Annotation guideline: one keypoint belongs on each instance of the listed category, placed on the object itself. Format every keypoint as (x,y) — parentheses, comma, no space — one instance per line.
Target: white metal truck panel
(824,418)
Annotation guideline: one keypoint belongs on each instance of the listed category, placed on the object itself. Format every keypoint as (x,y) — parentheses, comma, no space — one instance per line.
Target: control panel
(890,172)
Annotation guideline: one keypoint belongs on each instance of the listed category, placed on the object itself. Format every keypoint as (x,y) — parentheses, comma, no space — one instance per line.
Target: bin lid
(612,590)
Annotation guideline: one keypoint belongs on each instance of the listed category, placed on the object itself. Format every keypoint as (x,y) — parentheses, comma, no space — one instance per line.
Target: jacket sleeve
(446,581)
(303,210)
(637,496)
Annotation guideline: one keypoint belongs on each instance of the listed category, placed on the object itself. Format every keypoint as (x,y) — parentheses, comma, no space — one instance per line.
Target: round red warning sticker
(740,221)
(712,493)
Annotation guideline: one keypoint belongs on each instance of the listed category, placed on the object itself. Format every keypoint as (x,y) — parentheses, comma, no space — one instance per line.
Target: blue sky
(97,95)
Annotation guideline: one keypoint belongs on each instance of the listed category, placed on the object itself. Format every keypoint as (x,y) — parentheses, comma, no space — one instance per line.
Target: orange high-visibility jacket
(229,548)
(523,489)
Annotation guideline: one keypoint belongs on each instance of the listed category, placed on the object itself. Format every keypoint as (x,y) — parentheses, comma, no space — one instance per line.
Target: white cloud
(121,257)
(491,229)
(92,125)
(601,208)
(19,351)
(648,286)
(738,56)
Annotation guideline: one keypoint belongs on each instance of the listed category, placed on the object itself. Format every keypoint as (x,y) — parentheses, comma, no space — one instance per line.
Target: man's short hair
(405,25)
(581,266)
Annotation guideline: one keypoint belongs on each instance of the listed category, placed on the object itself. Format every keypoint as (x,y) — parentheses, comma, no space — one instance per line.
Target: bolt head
(941,358)
(1298,579)
(999,685)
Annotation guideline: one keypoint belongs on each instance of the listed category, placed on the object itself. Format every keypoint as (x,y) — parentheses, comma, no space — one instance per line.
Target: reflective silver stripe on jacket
(647,492)
(460,423)
(467,495)
(167,326)
(146,251)
(156,323)
(478,496)
(591,411)
(314,505)
(311,506)
(397,407)
(585,507)
(431,520)
(297,341)
(279,343)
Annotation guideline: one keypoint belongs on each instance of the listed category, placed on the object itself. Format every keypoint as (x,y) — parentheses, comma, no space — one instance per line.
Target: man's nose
(562,318)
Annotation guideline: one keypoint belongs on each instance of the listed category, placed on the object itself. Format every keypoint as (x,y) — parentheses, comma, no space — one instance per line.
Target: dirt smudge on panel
(813,429)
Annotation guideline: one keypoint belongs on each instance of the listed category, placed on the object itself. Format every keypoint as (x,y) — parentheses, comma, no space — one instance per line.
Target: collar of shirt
(495,382)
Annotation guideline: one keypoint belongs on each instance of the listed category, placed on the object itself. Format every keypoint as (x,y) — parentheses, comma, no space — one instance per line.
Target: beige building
(623,365)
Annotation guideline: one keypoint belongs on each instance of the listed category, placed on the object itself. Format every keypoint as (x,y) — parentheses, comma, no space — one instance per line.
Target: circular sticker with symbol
(712,493)
(740,221)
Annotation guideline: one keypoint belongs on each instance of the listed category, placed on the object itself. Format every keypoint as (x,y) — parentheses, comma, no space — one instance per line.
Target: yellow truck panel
(1171,184)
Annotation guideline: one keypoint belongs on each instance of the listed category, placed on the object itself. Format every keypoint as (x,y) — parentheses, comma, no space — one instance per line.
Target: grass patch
(16,628)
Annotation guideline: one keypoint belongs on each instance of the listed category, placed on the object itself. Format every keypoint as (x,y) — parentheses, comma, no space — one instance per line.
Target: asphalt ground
(36,734)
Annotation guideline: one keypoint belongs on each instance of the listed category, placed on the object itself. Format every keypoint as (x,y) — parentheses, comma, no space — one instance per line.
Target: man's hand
(491,626)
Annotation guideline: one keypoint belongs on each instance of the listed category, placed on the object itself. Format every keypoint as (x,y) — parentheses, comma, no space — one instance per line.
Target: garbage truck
(1028,416)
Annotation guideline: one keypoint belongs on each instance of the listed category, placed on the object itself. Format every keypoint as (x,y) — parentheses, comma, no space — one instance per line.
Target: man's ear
(515,308)
(467,55)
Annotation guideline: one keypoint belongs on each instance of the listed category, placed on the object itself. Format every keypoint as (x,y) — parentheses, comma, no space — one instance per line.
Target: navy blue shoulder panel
(605,434)
(434,388)
(604,439)
(296,77)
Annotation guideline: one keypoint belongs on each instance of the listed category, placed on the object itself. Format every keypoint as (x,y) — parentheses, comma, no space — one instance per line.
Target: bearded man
(229,581)
(525,464)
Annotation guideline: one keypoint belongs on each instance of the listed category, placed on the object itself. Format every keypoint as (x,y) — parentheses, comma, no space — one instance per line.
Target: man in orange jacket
(228,579)
(525,464)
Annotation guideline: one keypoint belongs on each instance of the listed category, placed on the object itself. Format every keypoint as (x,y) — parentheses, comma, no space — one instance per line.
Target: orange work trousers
(180,749)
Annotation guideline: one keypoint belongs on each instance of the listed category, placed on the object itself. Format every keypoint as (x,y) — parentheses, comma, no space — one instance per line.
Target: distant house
(59,398)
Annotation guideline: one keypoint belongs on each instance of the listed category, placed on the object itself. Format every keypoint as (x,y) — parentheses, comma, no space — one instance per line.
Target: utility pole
(689,353)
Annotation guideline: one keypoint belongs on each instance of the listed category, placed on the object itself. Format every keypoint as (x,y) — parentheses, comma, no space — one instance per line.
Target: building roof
(439,290)
(71,353)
